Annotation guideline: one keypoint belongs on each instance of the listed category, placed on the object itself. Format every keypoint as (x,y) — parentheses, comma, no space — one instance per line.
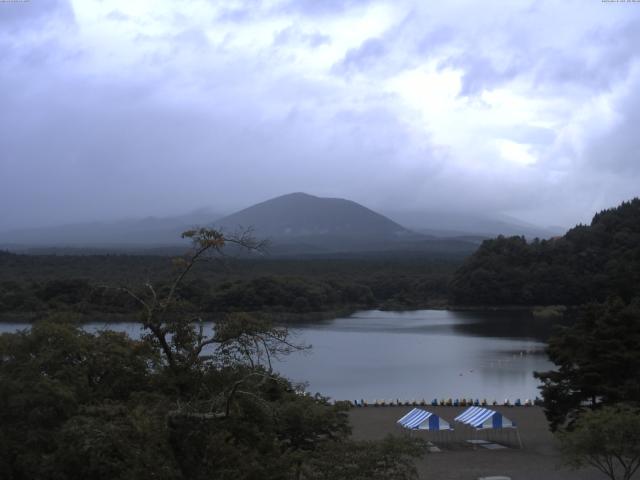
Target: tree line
(77,284)
(590,263)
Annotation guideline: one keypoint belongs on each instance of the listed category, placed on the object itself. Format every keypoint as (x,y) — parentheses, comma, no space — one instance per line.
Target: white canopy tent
(481,418)
(418,419)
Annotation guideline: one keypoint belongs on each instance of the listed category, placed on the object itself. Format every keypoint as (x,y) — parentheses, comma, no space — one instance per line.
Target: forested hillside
(589,263)
(84,284)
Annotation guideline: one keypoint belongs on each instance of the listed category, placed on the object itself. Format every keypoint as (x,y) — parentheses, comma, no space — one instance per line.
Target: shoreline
(287,317)
(85,318)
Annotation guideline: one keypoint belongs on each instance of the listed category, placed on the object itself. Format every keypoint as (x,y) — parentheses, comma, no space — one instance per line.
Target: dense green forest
(588,264)
(86,284)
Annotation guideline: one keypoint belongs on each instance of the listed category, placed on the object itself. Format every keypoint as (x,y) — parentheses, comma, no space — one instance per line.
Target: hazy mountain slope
(299,217)
(294,224)
(150,231)
(302,224)
(455,223)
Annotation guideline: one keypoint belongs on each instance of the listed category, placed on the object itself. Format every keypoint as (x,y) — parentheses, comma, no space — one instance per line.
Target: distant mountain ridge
(457,223)
(299,215)
(150,232)
(305,224)
(295,224)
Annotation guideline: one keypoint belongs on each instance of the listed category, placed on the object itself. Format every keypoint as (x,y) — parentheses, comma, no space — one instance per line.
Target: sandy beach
(538,459)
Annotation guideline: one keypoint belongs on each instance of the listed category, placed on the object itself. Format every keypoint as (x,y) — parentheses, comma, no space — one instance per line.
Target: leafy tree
(389,459)
(50,378)
(607,439)
(181,403)
(598,362)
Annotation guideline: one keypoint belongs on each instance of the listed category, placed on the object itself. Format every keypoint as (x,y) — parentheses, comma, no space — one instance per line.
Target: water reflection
(422,354)
(411,355)
(505,324)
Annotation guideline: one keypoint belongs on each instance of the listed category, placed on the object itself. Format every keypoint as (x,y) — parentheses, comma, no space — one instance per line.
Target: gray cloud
(16,16)
(398,105)
(293,35)
(369,53)
(480,73)
(617,152)
(325,7)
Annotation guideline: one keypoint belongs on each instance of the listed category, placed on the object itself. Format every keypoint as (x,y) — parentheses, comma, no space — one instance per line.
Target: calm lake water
(412,354)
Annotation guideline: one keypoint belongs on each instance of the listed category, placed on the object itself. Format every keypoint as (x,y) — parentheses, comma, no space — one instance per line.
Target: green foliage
(79,405)
(48,379)
(589,263)
(389,459)
(180,403)
(77,284)
(288,294)
(607,439)
(114,441)
(598,362)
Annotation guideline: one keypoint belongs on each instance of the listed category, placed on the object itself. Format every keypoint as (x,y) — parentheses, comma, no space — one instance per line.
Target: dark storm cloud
(121,150)
(116,113)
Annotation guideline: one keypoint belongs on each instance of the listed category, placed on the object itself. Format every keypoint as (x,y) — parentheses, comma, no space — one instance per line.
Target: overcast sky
(126,108)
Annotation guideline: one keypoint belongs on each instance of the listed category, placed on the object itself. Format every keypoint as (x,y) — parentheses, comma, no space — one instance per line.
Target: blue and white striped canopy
(418,419)
(481,418)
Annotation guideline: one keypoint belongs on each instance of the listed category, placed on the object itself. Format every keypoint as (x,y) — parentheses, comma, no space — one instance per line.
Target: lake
(412,354)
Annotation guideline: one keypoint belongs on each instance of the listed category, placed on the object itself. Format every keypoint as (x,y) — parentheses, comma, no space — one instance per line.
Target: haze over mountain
(476,106)
(306,224)
(141,232)
(443,223)
(300,215)
(296,223)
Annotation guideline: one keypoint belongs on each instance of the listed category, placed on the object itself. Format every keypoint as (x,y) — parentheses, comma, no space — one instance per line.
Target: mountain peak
(296,195)
(300,217)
